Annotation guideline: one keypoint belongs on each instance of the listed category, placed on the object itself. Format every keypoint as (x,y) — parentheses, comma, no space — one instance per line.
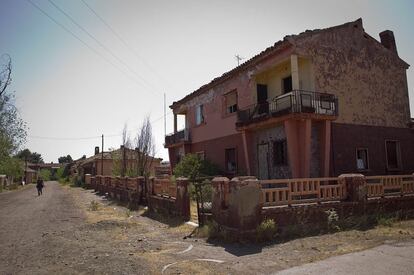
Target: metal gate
(203,194)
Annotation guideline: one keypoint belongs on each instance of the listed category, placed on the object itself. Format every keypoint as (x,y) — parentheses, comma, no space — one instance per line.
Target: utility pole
(165,117)
(102,155)
(25,170)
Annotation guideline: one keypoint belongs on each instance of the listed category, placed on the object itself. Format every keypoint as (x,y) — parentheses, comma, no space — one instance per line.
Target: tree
(12,127)
(5,74)
(192,167)
(145,148)
(11,167)
(29,156)
(65,159)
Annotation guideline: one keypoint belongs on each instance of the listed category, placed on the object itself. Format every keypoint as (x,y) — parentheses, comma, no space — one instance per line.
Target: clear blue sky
(66,90)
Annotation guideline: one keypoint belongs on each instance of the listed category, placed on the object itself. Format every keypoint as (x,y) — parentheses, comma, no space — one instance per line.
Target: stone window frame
(398,152)
(356,158)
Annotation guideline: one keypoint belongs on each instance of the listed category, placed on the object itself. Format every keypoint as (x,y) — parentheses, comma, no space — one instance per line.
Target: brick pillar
(88,180)
(182,201)
(356,187)
(93,182)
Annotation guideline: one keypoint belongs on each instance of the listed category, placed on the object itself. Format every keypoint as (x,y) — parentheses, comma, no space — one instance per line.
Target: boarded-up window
(393,154)
(231,102)
(231,160)
(280,152)
(199,114)
(362,158)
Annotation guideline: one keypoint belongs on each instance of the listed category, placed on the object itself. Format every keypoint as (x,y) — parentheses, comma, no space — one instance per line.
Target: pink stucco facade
(322,76)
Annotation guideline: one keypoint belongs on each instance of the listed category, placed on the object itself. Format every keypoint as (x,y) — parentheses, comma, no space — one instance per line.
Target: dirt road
(382,260)
(47,235)
(59,233)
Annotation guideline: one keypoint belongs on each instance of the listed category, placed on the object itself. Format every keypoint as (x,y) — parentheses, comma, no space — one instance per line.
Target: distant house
(37,167)
(111,162)
(29,174)
(317,104)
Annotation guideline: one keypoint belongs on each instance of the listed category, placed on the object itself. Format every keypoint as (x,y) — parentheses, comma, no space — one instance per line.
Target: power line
(80,40)
(71,138)
(102,45)
(123,41)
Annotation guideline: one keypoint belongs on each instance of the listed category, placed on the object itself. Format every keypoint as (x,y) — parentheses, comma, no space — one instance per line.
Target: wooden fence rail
(383,186)
(316,190)
(306,190)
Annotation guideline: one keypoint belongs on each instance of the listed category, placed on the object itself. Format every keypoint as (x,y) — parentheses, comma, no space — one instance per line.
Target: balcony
(295,102)
(179,137)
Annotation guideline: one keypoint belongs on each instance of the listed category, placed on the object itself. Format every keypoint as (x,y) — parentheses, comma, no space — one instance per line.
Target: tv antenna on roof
(238,58)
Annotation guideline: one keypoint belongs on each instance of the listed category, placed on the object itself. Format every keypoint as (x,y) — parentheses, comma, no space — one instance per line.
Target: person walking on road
(39,186)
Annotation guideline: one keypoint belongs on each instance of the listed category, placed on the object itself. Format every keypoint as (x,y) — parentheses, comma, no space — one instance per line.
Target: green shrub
(385,221)
(193,167)
(266,230)
(94,206)
(332,219)
(211,230)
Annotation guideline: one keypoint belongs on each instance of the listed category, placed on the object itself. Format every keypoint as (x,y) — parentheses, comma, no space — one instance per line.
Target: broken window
(199,114)
(362,158)
(231,102)
(231,160)
(280,152)
(393,154)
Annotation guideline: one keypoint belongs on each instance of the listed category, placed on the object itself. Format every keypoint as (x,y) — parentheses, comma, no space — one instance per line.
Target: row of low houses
(321,103)
(119,161)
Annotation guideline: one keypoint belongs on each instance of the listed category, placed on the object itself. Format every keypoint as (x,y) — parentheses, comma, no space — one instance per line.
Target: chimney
(388,41)
(96,150)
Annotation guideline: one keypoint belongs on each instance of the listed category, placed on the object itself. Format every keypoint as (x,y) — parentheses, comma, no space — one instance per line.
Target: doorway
(263,105)
(263,161)
(287,84)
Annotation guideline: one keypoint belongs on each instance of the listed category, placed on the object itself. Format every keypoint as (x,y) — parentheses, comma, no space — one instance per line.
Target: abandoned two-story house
(317,104)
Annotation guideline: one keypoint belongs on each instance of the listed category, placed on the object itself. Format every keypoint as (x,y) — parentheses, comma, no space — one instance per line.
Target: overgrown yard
(164,244)
(108,238)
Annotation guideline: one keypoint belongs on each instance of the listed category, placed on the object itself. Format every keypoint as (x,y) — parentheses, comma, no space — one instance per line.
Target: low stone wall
(239,204)
(121,188)
(315,217)
(177,204)
(174,201)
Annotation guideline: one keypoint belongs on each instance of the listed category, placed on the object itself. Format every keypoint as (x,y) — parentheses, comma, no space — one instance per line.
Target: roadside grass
(14,187)
(94,206)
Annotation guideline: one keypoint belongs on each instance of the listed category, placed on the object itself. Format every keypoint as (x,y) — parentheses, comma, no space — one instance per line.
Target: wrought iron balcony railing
(296,101)
(178,137)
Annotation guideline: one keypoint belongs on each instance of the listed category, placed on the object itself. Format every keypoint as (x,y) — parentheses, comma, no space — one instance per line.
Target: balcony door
(287,84)
(262,104)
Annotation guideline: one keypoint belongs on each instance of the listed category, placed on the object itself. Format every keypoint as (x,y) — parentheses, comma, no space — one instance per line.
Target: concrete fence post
(182,199)
(237,204)
(356,187)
